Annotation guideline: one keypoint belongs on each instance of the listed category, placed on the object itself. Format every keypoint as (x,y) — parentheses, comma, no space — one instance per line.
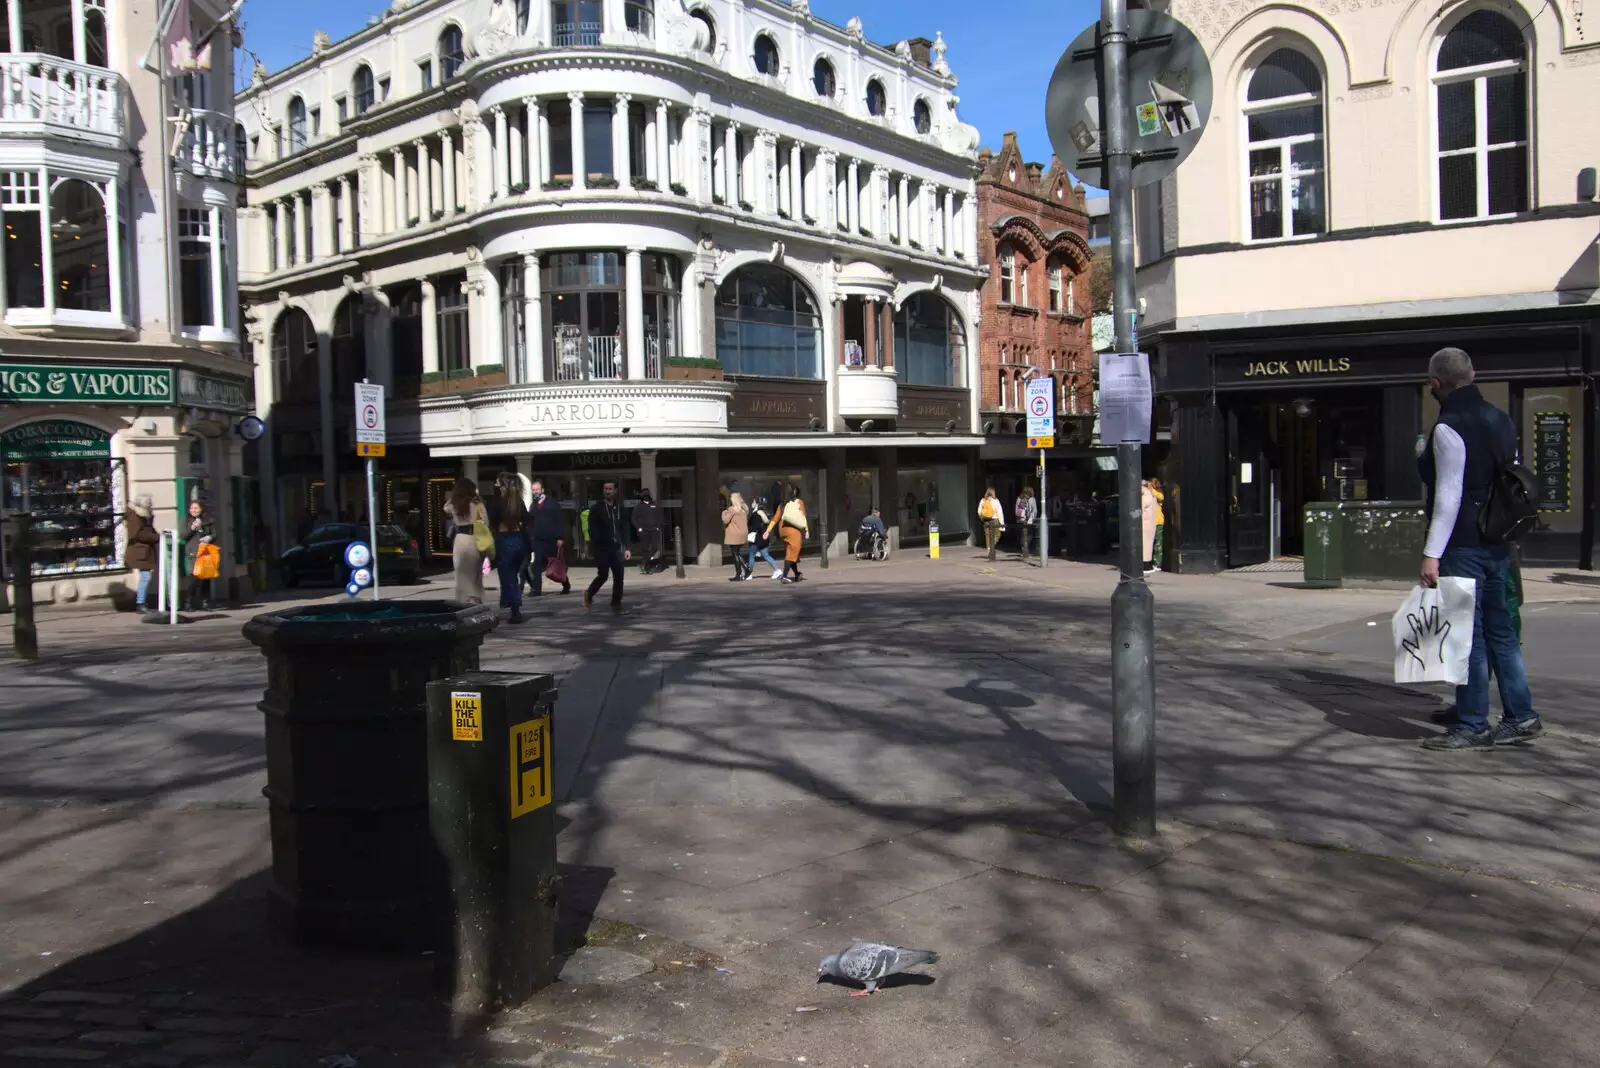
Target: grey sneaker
(1458,739)
(1515,732)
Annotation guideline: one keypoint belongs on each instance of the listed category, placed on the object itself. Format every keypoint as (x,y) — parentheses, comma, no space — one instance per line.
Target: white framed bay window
(1284,162)
(205,269)
(64,260)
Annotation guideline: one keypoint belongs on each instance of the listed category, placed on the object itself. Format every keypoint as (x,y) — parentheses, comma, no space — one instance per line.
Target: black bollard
(824,544)
(677,541)
(24,635)
(490,784)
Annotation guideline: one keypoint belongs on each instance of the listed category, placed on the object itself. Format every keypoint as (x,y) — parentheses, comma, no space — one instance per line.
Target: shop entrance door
(1249,487)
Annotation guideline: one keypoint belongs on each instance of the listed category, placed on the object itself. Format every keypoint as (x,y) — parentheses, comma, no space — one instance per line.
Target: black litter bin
(353,861)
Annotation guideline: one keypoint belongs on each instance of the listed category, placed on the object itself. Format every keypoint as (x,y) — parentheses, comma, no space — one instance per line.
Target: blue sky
(1002,55)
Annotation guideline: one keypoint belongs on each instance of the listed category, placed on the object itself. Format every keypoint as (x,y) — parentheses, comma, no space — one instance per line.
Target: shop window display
(938,492)
(63,474)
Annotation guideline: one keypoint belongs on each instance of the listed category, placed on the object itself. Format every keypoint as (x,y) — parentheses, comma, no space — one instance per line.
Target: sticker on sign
(370,428)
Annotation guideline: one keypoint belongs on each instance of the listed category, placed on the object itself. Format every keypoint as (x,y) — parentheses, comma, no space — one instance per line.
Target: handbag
(207,562)
(1433,633)
(555,569)
(482,536)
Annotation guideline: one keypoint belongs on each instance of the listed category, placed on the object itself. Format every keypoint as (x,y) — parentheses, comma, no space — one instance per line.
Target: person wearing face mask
(549,529)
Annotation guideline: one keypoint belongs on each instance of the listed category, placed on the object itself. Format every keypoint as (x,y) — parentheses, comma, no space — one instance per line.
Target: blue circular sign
(358,555)
(352,589)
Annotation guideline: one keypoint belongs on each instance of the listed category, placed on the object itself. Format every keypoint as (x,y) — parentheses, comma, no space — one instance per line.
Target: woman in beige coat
(462,510)
(736,532)
(1151,513)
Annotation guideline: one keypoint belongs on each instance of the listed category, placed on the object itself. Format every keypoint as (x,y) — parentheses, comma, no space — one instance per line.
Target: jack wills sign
(1268,369)
(1296,368)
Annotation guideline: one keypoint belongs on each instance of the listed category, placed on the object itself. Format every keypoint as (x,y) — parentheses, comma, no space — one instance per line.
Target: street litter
(725,971)
(807,1008)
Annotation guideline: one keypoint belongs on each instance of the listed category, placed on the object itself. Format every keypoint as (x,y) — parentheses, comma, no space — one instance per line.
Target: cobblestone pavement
(750,776)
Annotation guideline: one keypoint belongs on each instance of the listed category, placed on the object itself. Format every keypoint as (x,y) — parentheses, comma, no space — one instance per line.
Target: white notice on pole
(1041,397)
(1125,398)
(369,414)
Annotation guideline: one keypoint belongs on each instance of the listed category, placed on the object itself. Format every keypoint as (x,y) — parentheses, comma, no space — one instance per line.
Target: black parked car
(319,558)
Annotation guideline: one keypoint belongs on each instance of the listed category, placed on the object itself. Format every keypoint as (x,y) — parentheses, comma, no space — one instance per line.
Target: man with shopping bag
(1472,516)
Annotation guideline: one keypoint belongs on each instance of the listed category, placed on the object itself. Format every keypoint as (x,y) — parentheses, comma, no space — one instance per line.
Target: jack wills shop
(1263,426)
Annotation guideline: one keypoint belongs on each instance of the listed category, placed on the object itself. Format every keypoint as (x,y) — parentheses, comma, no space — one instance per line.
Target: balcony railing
(40,93)
(652,355)
(208,146)
(600,360)
(575,34)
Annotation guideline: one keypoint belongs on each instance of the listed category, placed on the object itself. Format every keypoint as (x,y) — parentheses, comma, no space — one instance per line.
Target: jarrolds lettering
(772,406)
(1280,368)
(136,385)
(586,412)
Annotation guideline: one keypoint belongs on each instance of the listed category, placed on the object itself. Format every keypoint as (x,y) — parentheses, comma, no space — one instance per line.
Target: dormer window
(922,117)
(766,55)
(877,99)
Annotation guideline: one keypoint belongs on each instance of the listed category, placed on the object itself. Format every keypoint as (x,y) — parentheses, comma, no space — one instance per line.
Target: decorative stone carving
(854,28)
(776,255)
(939,49)
(258,74)
(320,42)
(499,31)
(802,7)
(903,50)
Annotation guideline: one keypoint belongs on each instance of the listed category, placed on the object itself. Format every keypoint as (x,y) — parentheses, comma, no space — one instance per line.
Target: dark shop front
(1264,425)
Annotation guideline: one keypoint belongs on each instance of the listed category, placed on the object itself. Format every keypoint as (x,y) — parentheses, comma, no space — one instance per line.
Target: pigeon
(868,963)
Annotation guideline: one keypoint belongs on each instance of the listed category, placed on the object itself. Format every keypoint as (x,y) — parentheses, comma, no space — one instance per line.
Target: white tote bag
(1433,633)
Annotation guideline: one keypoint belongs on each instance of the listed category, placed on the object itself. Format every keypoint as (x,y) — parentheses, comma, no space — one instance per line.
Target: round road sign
(1039,406)
(1169,80)
(369,416)
(357,554)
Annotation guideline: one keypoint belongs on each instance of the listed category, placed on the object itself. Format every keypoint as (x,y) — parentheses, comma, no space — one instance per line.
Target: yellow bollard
(933,540)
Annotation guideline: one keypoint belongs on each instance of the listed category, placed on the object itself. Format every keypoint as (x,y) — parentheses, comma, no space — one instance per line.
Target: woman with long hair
(736,532)
(759,530)
(792,528)
(508,519)
(463,509)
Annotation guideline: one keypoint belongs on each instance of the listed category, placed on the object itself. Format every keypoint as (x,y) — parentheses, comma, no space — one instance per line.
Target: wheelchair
(870,545)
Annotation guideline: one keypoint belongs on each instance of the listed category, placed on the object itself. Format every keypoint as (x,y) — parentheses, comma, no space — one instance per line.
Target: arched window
(766,55)
(930,342)
(522,16)
(823,80)
(80,246)
(576,23)
(348,345)
(1283,147)
(241,148)
(361,89)
(294,358)
(922,117)
(94,34)
(297,125)
(1480,99)
(451,55)
(1008,276)
(583,314)
(877,99)
(705,35)
(1056,293)
(767,324)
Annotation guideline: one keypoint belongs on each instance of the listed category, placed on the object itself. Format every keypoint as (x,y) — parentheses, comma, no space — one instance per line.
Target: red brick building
(1033,234)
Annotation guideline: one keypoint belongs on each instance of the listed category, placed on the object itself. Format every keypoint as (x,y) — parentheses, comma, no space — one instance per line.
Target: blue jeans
(762,552)
(510,556)
(143,590)
(1494,639)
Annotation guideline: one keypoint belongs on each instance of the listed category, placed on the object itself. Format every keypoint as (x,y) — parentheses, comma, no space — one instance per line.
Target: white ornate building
(694,246)
(120,366)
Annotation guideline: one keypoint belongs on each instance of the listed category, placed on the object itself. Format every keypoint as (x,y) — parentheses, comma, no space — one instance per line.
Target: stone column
(519,154)
(475,142)
(302,223)
(579,167)
(705,537)
(947,243)
(827,189)
(652,153)
(697,156)
(502,154)
(533,317)
(330,447)
(370,193)
(280,219)
(869,323)
(633,302)
(347,221)
(766,200)
(490,348)
(424,183)
(430,328)
(969,228)
(878,199)
(538,141)
(689,314)
(321,221)
(853,197)
(732,166)
(903,212)
(886,328)
(402,213)
(621,142)
(377,335)
(664,146)
(797,182)
(447,165)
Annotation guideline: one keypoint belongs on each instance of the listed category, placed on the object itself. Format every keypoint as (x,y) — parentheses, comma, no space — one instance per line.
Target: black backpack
(1511,508)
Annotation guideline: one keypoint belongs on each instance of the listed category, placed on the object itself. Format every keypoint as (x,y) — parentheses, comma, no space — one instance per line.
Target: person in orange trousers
(791,524)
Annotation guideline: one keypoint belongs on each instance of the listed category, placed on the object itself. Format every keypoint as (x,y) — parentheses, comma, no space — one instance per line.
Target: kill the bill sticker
(466,717)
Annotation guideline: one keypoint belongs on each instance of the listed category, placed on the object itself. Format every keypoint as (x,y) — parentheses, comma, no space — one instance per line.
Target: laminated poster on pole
(1126,398)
